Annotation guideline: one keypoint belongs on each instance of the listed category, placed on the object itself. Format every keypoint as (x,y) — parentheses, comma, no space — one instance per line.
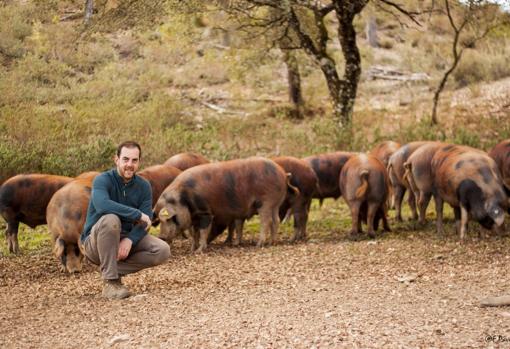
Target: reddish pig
(384,150)
(223,192)
(305,180)
(183,161)
(365,187)
(501,154)
(396,172)
(24,198)
(418,173)
(66,213)
(327,167)
(469,180)
(160,177)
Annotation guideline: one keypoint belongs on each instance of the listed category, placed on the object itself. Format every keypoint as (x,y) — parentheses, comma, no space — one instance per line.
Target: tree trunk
(89,9)
(294,79)
(440,89)
(345,12)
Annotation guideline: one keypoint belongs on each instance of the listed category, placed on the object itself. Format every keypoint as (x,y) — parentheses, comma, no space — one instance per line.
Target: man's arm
(104,205)
(139,230)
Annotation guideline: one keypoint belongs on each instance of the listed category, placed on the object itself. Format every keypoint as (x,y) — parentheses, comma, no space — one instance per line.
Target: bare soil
(403,290)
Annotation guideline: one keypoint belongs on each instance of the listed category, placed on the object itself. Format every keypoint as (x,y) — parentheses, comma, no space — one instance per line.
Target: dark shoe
(114,289)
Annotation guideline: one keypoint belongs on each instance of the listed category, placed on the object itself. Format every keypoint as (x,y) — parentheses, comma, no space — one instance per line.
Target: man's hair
(129,144)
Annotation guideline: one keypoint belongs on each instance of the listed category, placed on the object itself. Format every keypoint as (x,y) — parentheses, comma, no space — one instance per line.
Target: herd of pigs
(202,199)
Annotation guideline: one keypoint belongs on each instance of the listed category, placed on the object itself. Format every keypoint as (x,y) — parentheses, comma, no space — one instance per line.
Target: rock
(408,278)
(118,339)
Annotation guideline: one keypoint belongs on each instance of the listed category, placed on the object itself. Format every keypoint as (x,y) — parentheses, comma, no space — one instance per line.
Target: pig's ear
(59,247)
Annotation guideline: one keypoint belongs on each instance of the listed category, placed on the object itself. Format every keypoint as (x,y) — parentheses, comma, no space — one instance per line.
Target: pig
(327,167)
(501,154)
(66,214)
(183,161)
(24,198)
(220,193)
(384,150)
(160,177)
(365,187)
(468,179)
(396,172)
(418,174)
(304,179)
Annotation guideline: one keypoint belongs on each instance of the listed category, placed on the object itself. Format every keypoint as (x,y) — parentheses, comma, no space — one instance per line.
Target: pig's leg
(399,196)
(439,214)
(239,231)
(266,217)
(423,203)
(231,228)
(195,236)
(371,211)
(355,217)
(463,222)
(275,222)
(11,235)
(411,200)
(204,228)
(300,220)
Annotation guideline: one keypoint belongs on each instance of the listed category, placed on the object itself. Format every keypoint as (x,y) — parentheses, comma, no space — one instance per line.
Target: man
(118,218)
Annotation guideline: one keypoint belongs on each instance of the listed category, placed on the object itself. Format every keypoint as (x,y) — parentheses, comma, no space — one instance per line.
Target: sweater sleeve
(103,204)
(138,231)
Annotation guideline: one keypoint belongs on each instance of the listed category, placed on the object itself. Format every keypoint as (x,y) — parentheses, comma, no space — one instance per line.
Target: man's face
(128,162)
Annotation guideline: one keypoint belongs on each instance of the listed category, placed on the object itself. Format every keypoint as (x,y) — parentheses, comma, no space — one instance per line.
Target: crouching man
(118,218)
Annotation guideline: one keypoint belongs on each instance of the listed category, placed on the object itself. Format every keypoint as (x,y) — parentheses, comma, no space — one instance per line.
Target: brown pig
(160,177)
(365,187)
(418,174)
(66,213)
(469,180)
(305,180)
(183,161)
(501,154)
(24,198)
(396,172)
(223,192)
(384,150)
(327,167)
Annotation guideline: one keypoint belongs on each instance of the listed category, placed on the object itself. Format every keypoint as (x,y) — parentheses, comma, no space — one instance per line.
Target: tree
(474,17)
(302,24)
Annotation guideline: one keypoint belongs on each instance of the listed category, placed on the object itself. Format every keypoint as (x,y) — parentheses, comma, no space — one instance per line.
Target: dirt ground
(403,290)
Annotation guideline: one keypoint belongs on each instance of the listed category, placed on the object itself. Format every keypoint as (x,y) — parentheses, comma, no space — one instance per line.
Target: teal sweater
(127,200)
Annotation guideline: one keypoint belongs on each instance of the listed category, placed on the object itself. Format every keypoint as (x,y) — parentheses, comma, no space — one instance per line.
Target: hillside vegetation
(185,84)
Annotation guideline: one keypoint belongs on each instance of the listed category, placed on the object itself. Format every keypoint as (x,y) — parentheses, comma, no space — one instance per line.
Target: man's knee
(162,253)
(109,224)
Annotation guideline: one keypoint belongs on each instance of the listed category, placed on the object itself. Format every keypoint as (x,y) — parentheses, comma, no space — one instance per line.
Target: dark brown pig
(183,161)
(384,150)
(501,154)
(396,172)
(24,198)
(66,214)
(305,180)
(365,187)
(223,192)
(418,174)
(327,167)
(469,180)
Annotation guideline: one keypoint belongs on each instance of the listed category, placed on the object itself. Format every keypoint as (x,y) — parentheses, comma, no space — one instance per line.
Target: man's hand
(148,222)
(124,248)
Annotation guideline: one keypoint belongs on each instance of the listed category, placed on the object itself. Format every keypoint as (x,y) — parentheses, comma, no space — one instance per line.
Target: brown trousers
(102,245)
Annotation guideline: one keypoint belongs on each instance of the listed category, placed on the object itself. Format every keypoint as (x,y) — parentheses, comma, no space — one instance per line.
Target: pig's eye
(174,219)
